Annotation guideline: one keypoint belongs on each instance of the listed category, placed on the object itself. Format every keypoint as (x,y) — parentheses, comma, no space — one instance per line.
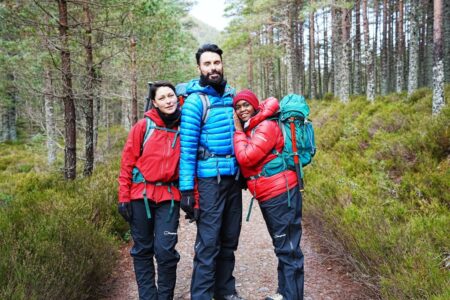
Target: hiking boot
(275,297)
(232,297)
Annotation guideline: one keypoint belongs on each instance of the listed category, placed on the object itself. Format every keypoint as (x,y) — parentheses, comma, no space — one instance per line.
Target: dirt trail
(325,276)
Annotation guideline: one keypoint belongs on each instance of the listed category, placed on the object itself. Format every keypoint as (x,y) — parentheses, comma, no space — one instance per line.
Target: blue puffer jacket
(215,136)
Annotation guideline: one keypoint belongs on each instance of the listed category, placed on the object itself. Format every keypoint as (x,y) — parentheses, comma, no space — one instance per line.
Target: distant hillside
(203,32)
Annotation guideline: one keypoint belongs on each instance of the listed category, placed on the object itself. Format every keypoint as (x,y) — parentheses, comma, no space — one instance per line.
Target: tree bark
(438,68)
(384,51)
(370,90)
(70,156)
(345,74)
(49,116)
(289,45)
(413,48)
(446,41)
(250,64)
(338,48)
(312,67)
(326,75)
(301,57)
(134,108)
(270,65)
(358,73)
(8,111)
(429,55)
(90,93)
(400,82)
(375,44)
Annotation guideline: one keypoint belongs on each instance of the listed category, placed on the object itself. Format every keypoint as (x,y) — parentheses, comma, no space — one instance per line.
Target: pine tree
(438,68)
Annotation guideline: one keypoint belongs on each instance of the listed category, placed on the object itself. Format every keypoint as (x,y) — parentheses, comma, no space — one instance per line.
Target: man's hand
(125,211)
(187,205)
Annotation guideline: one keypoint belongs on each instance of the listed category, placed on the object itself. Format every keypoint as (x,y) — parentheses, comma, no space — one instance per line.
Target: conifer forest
(376,73)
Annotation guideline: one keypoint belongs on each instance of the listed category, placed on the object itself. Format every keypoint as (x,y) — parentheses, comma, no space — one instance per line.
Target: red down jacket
(253,149)
(158,162)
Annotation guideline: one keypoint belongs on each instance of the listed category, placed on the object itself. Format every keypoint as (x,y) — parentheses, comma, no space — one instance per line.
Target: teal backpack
(298,132)
(299,144)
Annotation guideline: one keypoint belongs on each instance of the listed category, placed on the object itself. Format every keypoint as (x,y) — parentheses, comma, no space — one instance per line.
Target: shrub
(380,181)
(58,239)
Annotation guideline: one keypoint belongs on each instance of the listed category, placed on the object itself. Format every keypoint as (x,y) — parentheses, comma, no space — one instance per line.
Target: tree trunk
(270,65)
(8,130)
(301,57)
(429,55)
(370,90)
(422,31)
(337,49)
(134,108)
(70,155)
(400,49)
(334,41)
(345,74)
(447,41)
(326,75)
(413,48)
(384,51)
(358,73)
(49,116)
(438,68)
(390,52)
(250,64)
(312,67)
(90,93)
(375,44)
(289,45)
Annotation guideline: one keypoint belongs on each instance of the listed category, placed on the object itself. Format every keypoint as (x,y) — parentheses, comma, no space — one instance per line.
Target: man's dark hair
(208,48)
(156,85)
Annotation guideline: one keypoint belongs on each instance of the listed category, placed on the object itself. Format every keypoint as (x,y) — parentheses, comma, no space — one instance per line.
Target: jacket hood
(268,108)
(194,87)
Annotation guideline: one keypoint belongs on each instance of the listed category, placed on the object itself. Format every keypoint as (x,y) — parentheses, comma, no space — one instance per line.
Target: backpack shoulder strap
(149,128)
(206,104)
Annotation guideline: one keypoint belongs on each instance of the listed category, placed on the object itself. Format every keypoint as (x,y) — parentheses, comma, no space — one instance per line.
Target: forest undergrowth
(379,183)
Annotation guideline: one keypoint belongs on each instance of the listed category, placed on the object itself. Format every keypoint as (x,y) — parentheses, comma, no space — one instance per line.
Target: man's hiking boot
(275,297)
(232,297)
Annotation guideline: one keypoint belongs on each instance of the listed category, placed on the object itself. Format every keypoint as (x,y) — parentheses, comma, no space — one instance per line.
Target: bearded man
(208,164)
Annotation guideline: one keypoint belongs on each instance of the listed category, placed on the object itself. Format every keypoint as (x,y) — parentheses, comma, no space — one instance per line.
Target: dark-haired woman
(148,193)
(256,139)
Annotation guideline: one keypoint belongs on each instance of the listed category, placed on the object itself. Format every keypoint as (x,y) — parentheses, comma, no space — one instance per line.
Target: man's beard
(206,80)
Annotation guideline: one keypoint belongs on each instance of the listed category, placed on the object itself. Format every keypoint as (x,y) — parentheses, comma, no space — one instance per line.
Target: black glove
(125,210)
(187,204)
(196,215)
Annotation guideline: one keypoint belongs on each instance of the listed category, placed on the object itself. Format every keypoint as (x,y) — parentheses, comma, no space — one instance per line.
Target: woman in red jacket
(255,139)
(148,193)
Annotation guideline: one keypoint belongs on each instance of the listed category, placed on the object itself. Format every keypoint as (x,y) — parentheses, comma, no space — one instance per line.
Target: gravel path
(325,276)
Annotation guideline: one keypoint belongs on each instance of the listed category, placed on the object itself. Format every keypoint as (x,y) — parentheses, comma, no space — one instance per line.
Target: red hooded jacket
(253,149)
(158,162)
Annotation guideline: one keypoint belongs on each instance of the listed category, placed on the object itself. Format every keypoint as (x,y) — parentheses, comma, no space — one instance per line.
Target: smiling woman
(165,100)
(257,142)
(150,167)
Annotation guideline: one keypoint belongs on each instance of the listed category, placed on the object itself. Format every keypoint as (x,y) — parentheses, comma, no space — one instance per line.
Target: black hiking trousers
(218,230)
(285,229)
(155,237)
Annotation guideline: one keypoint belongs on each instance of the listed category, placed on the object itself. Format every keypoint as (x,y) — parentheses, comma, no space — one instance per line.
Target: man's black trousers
(218,230)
